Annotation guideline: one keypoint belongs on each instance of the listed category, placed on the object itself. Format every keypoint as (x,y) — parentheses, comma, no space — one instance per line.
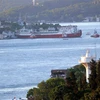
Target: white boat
(95,34)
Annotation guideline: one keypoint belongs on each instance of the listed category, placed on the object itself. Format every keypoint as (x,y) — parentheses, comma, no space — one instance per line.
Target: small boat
(95,35)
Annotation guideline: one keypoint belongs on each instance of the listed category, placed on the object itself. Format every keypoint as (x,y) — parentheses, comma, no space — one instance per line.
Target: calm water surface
(26,62)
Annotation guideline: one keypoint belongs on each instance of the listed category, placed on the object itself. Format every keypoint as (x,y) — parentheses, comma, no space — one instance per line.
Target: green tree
(53,82)
(98,73)
(58,92)
(93,75)
(43,87)
(15,26)
(72,87)
(30,93)
(43,91)
(73,81)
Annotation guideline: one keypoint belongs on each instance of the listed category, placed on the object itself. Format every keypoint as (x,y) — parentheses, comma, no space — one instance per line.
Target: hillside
(55,10)
(8,4)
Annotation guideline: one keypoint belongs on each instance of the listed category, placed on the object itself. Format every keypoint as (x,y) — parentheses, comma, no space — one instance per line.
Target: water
(26,62)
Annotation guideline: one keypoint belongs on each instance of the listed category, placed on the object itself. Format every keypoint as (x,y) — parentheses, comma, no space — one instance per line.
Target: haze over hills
(60,10)
(8,4)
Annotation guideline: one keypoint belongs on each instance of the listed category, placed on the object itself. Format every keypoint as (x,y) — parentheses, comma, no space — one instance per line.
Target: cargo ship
(63,32)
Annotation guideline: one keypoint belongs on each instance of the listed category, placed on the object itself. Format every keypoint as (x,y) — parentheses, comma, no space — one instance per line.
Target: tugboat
(95,35)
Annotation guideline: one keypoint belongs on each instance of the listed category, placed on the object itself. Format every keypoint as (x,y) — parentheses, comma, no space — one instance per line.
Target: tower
(33,1)
(85,61)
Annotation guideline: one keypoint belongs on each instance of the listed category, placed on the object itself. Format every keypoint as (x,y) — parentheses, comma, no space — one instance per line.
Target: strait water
(26,62)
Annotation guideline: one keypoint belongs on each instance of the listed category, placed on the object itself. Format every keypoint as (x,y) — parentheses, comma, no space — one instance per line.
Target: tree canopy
(71,88)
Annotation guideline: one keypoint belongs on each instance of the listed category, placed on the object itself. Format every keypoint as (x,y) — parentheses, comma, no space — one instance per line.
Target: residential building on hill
(61,73)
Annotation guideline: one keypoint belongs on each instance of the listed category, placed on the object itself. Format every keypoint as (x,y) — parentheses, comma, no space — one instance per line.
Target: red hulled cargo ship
(63,32)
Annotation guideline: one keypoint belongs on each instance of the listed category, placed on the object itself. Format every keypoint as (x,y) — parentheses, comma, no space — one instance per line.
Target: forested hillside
(8,4)
(73,87)
(57,10)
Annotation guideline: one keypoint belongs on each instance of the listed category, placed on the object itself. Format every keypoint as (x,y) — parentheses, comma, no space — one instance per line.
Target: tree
(72,87)
(98,73)
(93,75)
(58,92)
(73,81)
(43,87)
(30,93)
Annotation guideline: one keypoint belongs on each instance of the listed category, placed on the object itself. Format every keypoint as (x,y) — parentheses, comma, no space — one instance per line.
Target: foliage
(9,26)
(71,88)
(15,26)
(94,81)
(98,73)
(58,92)
(93,75)
(30,92)
(44,88)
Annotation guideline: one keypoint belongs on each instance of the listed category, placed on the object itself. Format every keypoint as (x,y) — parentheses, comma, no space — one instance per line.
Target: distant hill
(53,10)
(8,4)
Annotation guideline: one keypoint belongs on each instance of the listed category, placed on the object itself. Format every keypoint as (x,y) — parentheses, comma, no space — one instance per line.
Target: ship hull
(95,35)
(70,35)
(23,36)
(48,36)
(67,32)
(74,35)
